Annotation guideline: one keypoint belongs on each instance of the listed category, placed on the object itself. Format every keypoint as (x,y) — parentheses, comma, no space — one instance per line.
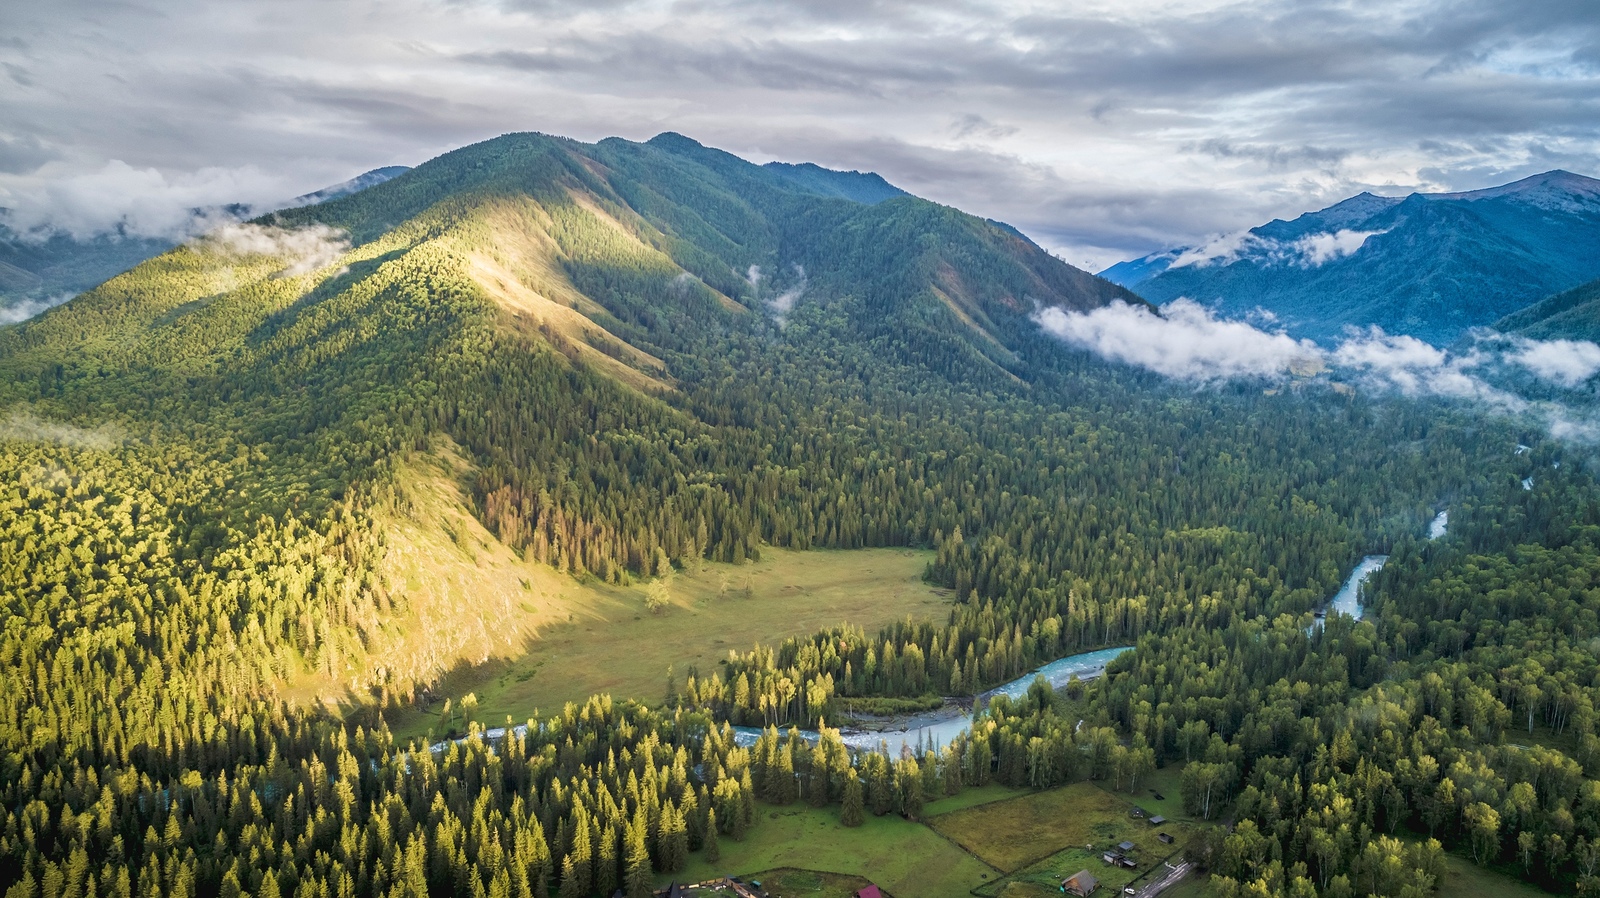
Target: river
(938,728)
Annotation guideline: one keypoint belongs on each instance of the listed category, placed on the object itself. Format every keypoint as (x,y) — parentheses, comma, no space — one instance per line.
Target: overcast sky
(1103,129)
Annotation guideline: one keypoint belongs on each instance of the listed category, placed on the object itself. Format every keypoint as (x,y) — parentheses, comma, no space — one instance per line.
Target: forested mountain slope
(1570,315)
(1428,265)
(623,357)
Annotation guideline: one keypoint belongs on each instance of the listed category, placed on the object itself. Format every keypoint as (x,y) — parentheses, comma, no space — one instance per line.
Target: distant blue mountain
(1428,265)
(354,185)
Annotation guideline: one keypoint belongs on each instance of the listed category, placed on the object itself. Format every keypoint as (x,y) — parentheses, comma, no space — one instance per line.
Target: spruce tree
(851,812)
(638,876)
(605,865)
(818,792)
(713,852)
(880,788)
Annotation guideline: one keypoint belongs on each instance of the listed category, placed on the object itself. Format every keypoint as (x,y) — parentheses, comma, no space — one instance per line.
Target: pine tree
(639,874)
(851,812)
(712,851)
(818,783)
(582,856)
(880,788)
(570,885)
(784,788)
(606,867)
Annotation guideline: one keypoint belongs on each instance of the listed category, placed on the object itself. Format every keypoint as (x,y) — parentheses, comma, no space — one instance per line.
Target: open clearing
(904,858)
(1463,877)
(605,639)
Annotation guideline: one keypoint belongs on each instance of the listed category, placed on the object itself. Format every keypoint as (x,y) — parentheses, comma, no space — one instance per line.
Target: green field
(904,858)
(613,644)
(787,882)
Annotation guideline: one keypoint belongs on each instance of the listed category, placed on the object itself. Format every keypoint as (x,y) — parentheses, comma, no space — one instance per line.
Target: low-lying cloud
(1187,342)
(27,308)
(305,249)
(1564,362)
(1310,251)
(1318,249)
(23,425)
(137,202)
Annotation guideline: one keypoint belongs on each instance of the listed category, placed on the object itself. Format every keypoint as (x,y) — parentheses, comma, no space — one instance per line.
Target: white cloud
(1188,342)
(141,202)
(1310,251)
(304,249)
(22,424)
(28,308)
(1224,248)
(1185,342)
(1564,362)
(1317,249)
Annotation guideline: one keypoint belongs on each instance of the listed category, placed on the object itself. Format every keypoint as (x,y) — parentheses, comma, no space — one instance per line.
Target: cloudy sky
(1104,128)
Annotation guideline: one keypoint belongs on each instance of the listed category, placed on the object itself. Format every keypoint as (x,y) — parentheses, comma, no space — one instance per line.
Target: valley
(519,430)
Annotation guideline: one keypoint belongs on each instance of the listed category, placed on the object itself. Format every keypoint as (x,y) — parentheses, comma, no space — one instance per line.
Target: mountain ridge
(1427,265)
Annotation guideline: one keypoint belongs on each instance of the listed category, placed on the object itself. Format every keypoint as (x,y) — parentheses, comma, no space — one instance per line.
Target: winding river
(937,728)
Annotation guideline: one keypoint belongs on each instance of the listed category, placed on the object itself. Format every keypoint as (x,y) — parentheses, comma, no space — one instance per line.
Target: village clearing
(1040,838)
(901,857)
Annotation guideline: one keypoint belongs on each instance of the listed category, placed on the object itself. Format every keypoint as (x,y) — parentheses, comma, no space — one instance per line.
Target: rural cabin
(1157,820)
(1080,883)
(1165,838)
(869,892)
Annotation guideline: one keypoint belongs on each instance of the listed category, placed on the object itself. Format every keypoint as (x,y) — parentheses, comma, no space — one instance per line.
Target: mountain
(863,187)
(1570,315)
(356,184)
(618,346)
(41,270)
(1428,265)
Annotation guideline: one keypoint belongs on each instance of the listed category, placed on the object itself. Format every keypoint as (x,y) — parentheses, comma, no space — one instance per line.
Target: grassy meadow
(584,638)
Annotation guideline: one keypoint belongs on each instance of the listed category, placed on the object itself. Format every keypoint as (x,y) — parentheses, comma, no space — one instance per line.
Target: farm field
(902,857)
(1039,838)
(612,644)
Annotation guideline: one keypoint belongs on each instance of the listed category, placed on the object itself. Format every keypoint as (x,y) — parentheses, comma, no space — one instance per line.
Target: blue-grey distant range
(1428,265)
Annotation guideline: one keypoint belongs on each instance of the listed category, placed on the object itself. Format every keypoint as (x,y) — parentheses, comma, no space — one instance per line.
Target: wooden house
(1081,883)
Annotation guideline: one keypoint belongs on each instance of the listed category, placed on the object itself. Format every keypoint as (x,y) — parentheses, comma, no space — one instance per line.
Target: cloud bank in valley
(1187,342)
(305,249)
